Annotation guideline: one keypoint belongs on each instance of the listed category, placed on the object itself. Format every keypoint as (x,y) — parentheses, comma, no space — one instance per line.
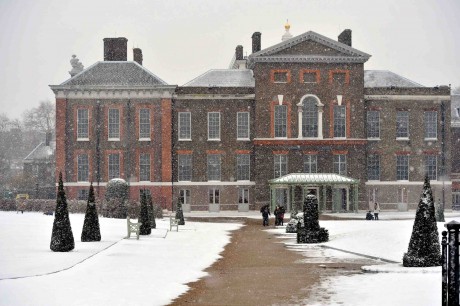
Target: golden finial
(287,26)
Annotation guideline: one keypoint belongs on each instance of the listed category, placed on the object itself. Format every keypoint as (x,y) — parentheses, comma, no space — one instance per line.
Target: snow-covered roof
(223,78)
(313,178)
(41,152)
(385,78)
(115,73)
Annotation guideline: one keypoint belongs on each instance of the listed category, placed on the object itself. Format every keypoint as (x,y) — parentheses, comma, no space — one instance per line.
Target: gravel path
(257,269)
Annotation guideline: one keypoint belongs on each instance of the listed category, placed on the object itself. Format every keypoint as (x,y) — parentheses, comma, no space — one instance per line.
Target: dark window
(309,77)
(373,167)
(280,77)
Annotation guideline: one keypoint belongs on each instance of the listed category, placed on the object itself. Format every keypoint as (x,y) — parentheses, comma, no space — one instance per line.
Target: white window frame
(310,117)
(184,167)
(310,161)
(427,167)
(111,166)
(243,193)
(280,125)
(374,167)
(373,125)
(113,128)
(340,164)
(402,118)
(400,167)
(82,168)
(214,196)
(243,167)
(184,126)
(184,196)
(146,165)
(142,135)
(82,123)
(280,165)
(214,164)
(342,127)
(242,126)
(430,125)
(213,135)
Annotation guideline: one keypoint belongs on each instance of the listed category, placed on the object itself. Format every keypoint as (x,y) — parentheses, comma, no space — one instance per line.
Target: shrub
(91,230)
(144,216)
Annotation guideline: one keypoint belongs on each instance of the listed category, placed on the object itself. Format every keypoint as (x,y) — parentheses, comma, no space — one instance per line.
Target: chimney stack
(115,49)
(345,37)
(256,42)
(239,52)
(137,55)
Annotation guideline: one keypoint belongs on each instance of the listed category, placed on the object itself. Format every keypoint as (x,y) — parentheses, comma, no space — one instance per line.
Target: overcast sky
(181,39)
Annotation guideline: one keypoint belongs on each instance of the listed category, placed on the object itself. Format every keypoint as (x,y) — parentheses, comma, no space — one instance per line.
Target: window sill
(214,139)
(373,139)
(144,139)
(403,181)
(82,139)
(430,139)
(280,82)
(402,139)
(340,138)
(114,139)
(243,139)
(214,181)
(185,139)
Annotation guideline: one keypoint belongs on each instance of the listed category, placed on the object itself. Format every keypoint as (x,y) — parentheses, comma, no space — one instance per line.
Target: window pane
(243,125)
(373,124)
(280,120)
(430,166)
(144,167)
(340,164)
(114,123)
(431,119)
(114,166)
(184,196)
(280,77)
(243,196)
(339,121)
(402,167)
(309,117)
(144,123)
(373,167)
(402,124)
(310,163)
(280,165)
(185,167)
(185,129)
(243,167)
(83,168)
(309,77)
(214,125)
(82,123)
(82,194)
(214,167)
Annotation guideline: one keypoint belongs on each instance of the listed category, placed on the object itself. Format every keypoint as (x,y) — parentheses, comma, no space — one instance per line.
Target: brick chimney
(345,37)
(137,55)
(256,42)
(239,52)
(115,49)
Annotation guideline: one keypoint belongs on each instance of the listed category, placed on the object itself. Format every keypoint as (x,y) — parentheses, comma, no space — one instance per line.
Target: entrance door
(281,198)
(339,199)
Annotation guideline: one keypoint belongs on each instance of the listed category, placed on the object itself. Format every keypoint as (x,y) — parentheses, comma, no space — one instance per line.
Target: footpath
(257,269)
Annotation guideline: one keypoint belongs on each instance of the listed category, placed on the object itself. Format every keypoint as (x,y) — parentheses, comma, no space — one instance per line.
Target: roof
(347,53)
(223,78)
(313,178)
(115,73)
(41,152)
(385,78)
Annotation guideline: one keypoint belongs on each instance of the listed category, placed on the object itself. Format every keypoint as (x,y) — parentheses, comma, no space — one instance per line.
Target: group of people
(375,216)
(279,214)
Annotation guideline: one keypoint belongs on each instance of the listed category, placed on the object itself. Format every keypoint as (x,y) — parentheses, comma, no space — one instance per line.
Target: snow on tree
(62,236)
(151,211)
(180,213)
(117,195)
(424,247)
(311,232)
(91,230)
(144,216)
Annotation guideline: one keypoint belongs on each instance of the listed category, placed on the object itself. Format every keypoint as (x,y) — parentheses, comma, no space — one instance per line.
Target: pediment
(309,47)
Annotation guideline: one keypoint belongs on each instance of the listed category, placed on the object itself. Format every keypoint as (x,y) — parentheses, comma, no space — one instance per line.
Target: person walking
(265,213)
(281,212)
(376,210)
(276,213)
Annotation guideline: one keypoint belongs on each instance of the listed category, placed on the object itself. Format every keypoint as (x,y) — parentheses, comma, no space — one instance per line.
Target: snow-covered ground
(155,269)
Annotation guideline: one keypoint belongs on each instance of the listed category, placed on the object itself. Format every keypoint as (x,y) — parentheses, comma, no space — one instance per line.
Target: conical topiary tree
(144,216)
(153,224)
(180,213)
(62,236)
(91,230)
(424,247)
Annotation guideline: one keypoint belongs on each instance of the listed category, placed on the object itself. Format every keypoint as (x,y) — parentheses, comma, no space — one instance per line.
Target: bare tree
(41,118)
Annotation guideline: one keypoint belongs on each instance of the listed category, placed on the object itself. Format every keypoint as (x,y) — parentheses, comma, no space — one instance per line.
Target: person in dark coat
(369,216)
(281,212)
(265,213)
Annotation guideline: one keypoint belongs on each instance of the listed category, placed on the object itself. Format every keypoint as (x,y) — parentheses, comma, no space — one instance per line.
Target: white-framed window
(113,165)
(82,124)
(455,200)
(402,124)
(340,164)
(214,196)
(431,167)
(309,117)
(243,167)
(280,121)
(280,165)
(213,167)
(340,121)
(184,196)
(310,163)
(82,194)
(214,126)
(402,167)
(114,124)
(144,124)
(373,167)
(146,191)
(184,167)
(83,168)
(144,167)
(185,126)
(373,124)
(242,123)
(243,196)
(431,124)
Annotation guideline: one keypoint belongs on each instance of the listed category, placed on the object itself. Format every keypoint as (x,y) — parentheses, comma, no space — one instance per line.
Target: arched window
(309,117)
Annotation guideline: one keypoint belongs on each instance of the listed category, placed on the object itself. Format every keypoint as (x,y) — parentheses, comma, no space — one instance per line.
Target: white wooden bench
(173,222)
(133,228)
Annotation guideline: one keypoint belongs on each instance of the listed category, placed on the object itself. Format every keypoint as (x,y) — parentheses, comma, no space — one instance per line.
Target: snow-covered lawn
(115,271)
(156,269)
